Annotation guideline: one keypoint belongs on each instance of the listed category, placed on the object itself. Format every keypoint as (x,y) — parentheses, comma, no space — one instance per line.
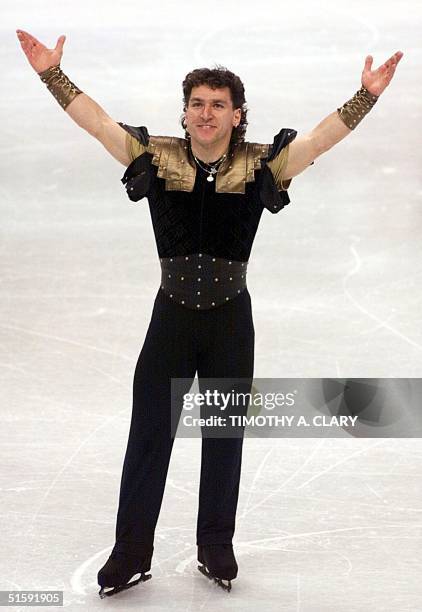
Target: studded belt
(200,281)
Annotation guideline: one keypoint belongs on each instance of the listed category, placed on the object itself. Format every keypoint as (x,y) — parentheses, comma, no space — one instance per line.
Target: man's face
(210,116)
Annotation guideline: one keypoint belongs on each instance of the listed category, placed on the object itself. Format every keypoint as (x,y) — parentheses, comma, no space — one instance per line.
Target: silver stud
(231,278)
(171,259)
(243,265)
(171,295)
(198,305)
(198,293)
(213,258)
(230,263)
(243,275)
(275,206)
(199,279)
(182,278)
(227,298)
(169,275)
(238,290)
(182,302)
(186,258)
(199,254)
(212,303)
(199,266)
(216,279)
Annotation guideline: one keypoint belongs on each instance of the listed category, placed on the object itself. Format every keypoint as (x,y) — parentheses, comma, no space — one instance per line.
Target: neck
(209,153)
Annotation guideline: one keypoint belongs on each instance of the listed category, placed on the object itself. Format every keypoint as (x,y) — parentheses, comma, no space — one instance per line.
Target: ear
(237,116)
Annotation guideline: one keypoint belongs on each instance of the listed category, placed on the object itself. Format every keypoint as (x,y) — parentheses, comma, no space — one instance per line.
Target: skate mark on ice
(316,448)
(257,475)
(340,462)
(184,564)
(382,323)
(58,517)
(90,347)
(263,543)
(375,492)
(172,483)
(371,505)
(337,463)
(59,474)
(76,578)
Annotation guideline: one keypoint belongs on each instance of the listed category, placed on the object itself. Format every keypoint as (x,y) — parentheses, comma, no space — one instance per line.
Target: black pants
(179,343)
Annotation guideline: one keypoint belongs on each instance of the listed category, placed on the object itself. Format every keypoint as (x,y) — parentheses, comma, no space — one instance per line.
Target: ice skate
(124,570)
(218,564)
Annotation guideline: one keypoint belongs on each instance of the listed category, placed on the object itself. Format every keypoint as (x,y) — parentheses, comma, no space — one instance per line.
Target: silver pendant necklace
(213,168)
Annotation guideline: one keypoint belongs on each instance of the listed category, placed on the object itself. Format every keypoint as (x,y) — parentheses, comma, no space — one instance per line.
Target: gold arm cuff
(355,109)
(59,85)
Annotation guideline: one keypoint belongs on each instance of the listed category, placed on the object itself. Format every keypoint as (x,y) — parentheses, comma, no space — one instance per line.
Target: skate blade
(109,591)
(225,585)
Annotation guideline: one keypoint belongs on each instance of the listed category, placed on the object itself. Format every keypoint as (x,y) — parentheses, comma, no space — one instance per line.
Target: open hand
(375,81)
(37,54)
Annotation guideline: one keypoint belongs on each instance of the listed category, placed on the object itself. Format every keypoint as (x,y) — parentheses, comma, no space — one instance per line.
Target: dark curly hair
(217,78)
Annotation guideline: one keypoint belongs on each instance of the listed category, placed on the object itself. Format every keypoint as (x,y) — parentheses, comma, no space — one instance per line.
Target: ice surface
(323,525)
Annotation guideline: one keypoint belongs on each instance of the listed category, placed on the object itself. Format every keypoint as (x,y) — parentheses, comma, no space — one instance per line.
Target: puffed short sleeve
(137,139)
(137,178)
(278,168)
(273,186)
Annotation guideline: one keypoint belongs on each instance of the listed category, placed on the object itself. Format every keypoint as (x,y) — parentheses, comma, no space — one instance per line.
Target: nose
(206,112)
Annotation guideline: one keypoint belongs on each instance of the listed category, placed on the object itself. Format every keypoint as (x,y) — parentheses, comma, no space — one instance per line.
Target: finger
(28,35)
(368,62)
(392,71)
(388,75)
(392,63)
(31,38)
(22,38)
(394,58)
(26,46)
(60,43)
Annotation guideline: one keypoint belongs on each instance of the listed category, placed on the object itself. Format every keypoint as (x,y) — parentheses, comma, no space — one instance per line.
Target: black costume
(201,321)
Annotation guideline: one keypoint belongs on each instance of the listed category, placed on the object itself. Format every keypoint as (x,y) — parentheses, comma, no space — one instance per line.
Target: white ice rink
(323,525)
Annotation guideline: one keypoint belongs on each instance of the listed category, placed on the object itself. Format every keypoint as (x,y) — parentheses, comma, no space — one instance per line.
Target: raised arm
(304,149)
(81,108)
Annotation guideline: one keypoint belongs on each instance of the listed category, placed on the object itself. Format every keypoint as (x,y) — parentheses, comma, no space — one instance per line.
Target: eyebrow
(196,99)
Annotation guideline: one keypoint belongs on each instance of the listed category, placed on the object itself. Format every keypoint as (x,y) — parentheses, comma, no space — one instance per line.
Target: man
(206,194)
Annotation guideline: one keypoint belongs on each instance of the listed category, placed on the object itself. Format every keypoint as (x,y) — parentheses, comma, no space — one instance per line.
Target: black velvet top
(204,221)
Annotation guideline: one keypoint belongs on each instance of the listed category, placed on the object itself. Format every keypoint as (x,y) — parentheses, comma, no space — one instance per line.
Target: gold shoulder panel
(239,168)
(176,166)
(171,155)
